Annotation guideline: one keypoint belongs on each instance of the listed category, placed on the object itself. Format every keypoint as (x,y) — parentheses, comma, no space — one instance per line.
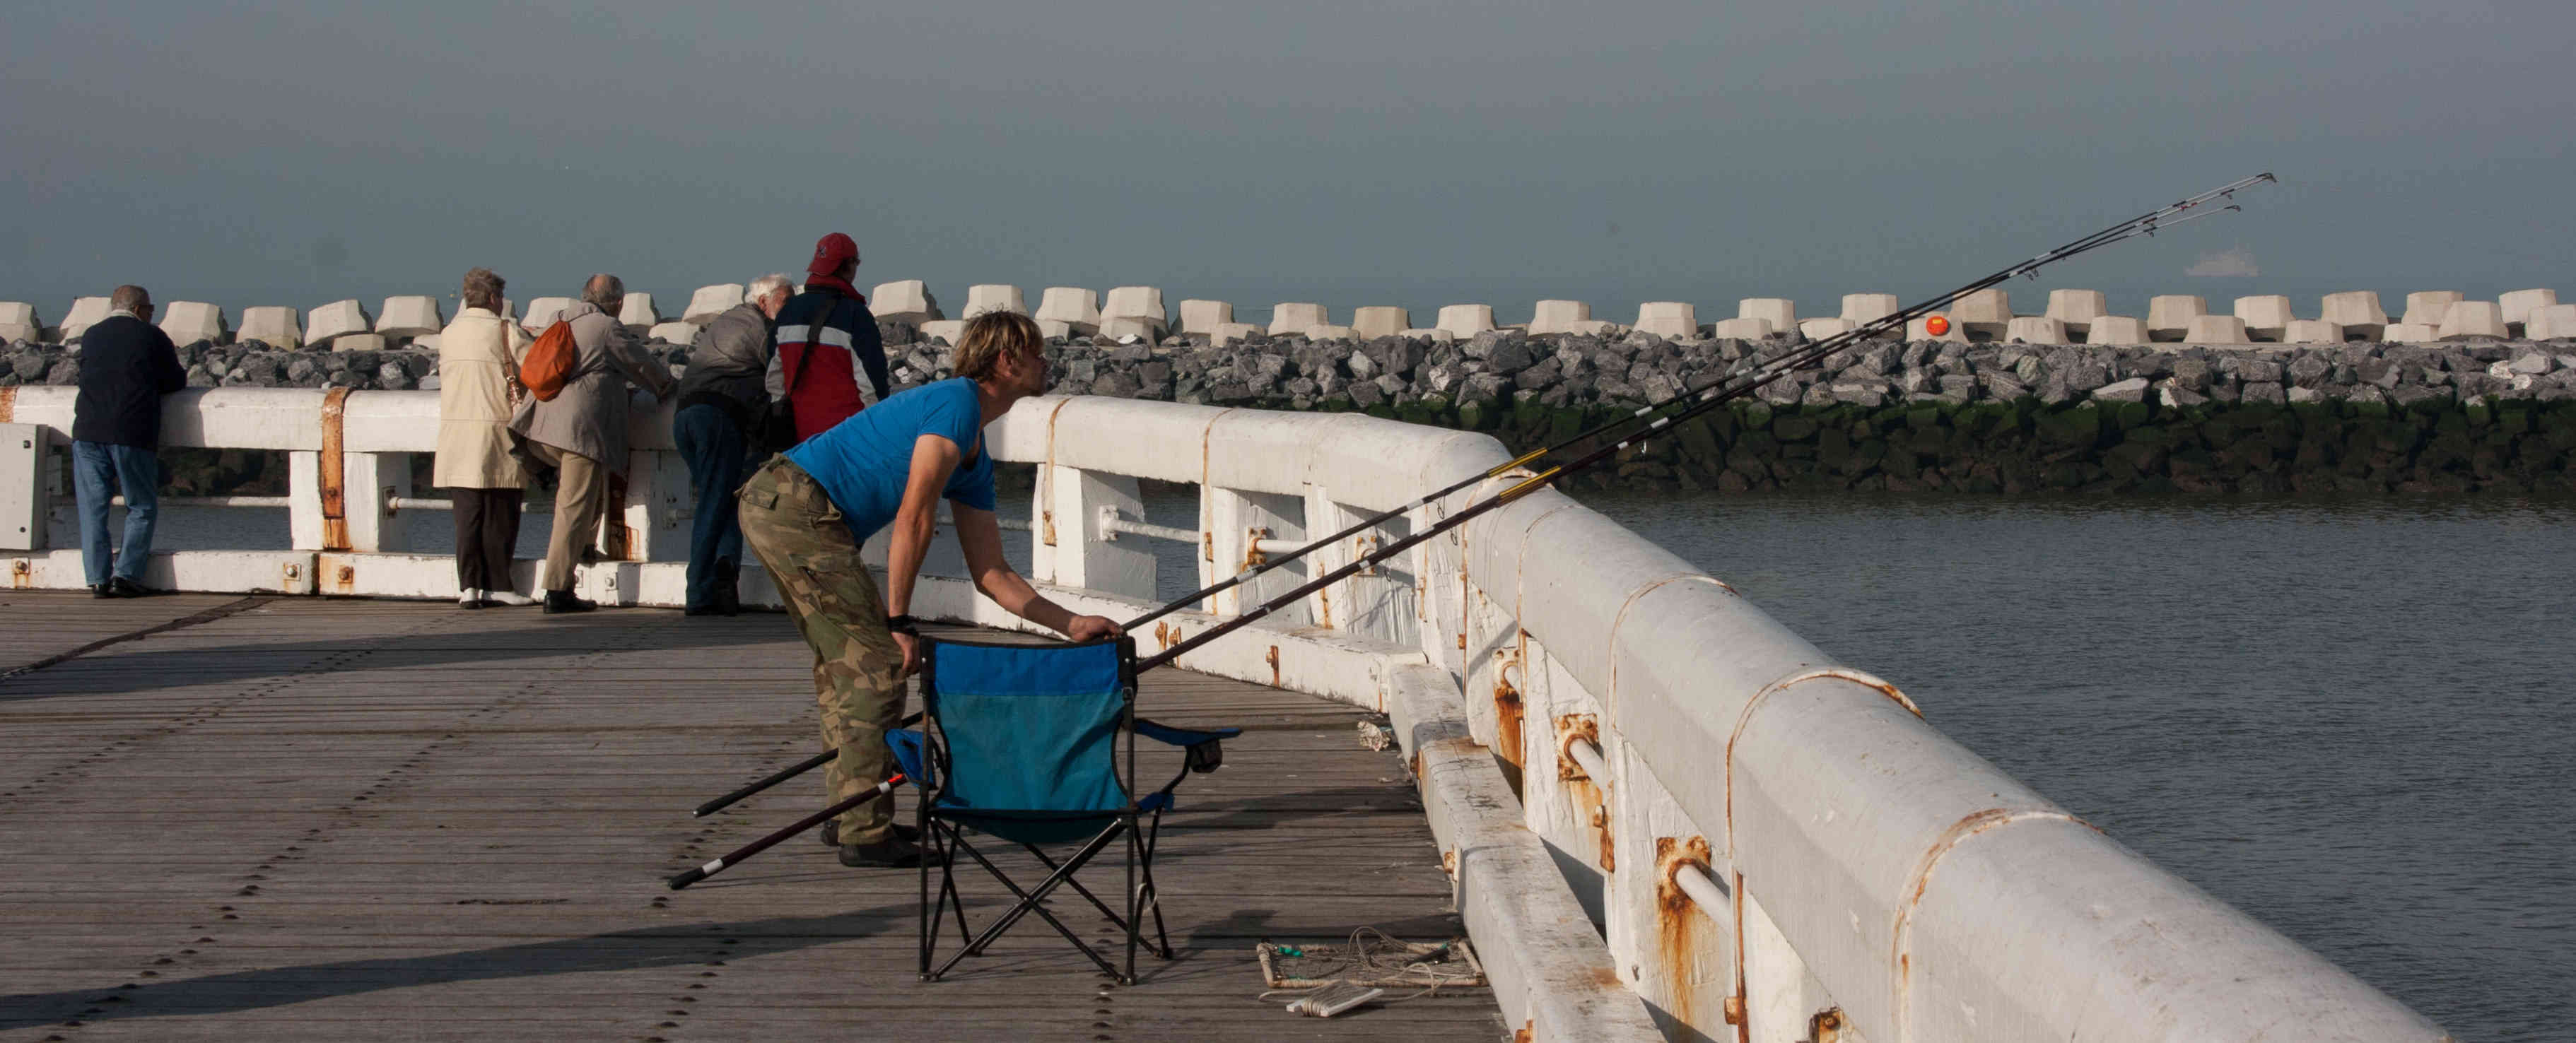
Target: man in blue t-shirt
(806,512)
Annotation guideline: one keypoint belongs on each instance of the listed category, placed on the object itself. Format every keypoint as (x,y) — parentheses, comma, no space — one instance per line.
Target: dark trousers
(718,462)
(100,471)
(487,531)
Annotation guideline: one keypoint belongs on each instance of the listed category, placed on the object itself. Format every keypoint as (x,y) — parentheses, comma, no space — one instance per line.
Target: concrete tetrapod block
(2169,317)
(2265,317)
(273,325)
(1232,332)
(1864,308)
(1328,331)
(1143,303)
(2551,322)
(2357,311)
(1558,316)
(1780,312)
(2518,304)
(1383,320)
(334,320)
(2076,308)
(2411,333)
(2473,319)
(1738,328)
(1671,320)
(906,301)
(1819,329)
(543,311)
(2430,307)
(1205,316)
(1075,308)
(943,331)
(707,302)
(2034,329)
(188,322)
(1919,329)
(1466,320)
(1985,314)
(2216,329)
(85,313)
(994,296)
(1297,318)
(1125,326)
(638,310)
(18,322)
(2116,329)
(2311,331)
(405,317)
(673,332)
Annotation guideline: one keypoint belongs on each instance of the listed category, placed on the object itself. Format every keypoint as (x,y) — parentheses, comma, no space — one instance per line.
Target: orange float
(1938,325)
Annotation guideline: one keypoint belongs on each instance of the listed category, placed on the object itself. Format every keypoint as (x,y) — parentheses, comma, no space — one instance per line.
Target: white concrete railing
(1773,846)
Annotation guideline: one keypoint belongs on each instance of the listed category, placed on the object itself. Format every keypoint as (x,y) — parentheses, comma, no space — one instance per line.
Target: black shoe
(893,852)
(728,602)
(702,610)
(563,601)
(830,834)
(103,590)
(476,603)
(126,588)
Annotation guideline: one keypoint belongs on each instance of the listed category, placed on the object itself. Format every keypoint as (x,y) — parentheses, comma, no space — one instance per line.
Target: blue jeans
(99,472)
(719,461)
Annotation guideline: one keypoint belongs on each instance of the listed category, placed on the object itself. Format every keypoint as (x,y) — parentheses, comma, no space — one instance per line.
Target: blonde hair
(989,336)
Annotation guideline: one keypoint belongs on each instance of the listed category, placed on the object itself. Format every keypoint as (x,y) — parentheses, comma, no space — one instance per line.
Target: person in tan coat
(581,432)
(478,378)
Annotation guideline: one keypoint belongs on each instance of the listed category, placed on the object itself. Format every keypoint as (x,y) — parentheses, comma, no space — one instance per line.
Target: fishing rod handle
(744,852)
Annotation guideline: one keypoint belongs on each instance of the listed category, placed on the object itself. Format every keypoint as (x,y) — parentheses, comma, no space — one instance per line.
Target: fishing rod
(1694,402)
(783,774)
(737,855)
(1798,358)
(1717,393)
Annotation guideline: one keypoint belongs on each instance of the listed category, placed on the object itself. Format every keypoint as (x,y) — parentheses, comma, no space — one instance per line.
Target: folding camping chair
(1035,745)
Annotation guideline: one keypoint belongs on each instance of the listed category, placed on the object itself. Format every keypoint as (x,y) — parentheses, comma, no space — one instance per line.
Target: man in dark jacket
(126,365)
(720,400)
(830,362)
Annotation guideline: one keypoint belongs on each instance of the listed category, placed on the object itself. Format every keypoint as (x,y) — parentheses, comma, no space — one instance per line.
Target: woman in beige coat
(478,367)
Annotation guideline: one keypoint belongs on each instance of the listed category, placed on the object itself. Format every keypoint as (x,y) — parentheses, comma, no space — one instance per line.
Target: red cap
(830,253)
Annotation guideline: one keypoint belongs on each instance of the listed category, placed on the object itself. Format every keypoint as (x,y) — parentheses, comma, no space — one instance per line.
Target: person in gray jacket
(721,401)
(581,432)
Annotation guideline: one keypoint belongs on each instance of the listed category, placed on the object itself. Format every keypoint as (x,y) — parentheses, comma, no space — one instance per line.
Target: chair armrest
(1205,751)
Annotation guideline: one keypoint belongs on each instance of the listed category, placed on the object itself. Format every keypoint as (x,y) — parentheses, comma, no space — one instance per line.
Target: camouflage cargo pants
(792,526)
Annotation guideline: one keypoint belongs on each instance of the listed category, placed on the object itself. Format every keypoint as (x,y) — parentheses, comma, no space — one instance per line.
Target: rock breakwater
(1982,417)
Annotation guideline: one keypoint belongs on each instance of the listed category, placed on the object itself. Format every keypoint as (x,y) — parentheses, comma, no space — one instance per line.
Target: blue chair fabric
(1035,745)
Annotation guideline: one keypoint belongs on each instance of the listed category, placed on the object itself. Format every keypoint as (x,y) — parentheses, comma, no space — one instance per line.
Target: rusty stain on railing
(1678,925)
(1900,943)
(1272,658)
(1507,715)
(21,571)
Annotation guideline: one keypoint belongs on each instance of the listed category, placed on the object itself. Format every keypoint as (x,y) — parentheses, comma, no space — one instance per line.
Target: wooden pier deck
(299,818)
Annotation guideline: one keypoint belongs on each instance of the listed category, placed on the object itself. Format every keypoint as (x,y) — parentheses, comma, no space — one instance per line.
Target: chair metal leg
(1030,900)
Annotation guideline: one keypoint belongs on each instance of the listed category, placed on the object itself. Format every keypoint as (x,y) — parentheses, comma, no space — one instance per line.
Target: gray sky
(1396,152)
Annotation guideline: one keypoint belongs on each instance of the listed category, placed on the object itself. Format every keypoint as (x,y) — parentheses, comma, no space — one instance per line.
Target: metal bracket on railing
(1252,553)
(1578,750)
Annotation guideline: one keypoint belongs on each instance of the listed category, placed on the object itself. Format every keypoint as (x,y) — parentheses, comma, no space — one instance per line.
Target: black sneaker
(893,852)
(126,588)
(563,601)
(103,590)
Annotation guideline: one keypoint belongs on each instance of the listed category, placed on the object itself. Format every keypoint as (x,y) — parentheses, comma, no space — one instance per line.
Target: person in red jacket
(830,361)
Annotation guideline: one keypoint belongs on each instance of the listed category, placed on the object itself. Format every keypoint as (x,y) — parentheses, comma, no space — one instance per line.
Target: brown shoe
(893,852)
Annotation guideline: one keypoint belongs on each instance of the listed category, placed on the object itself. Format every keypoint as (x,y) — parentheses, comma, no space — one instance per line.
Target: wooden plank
(324,819)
